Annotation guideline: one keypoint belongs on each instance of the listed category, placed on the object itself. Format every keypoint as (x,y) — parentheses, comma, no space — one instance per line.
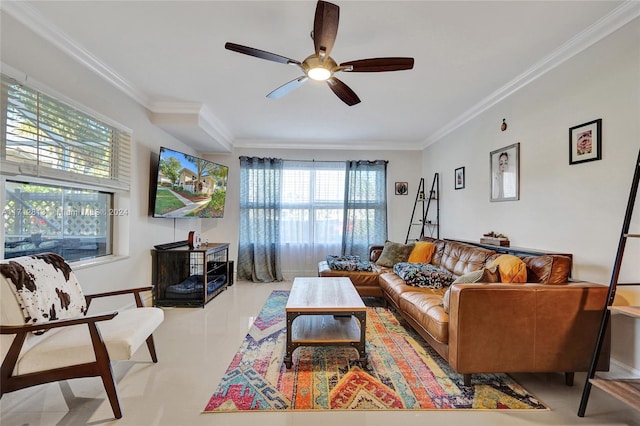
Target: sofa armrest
(25,328)
(525,327)
(374,252)
(135,291)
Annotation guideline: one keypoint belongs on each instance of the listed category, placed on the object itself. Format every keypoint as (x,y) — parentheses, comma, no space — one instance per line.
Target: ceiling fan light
(319,74)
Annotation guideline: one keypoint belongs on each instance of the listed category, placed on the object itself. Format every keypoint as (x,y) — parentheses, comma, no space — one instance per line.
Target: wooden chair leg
(152,348)
(104,368)
(110,387)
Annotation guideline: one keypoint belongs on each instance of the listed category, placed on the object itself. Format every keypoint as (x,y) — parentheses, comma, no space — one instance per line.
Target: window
(74,223)
(295,213)
(312,203)
(61,168)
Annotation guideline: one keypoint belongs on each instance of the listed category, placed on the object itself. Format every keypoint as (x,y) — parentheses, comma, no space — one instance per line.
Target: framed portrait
(585,142)
(505,173)
(458,176)
(402,188)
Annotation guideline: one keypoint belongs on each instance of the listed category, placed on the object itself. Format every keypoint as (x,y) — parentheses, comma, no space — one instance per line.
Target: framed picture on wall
(505,173)
(402,188)
(585,142)
(458,176)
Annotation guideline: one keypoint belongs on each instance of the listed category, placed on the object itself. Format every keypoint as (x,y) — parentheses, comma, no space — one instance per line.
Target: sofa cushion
(422,252)
(423,275)
(393,253)
(71,345)
(512,268)
(393,286)
(460,258)
(548,269)
(426,310)
(348,263)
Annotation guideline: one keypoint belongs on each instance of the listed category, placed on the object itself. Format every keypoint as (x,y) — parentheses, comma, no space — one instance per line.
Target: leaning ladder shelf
(626,390)
(423,205)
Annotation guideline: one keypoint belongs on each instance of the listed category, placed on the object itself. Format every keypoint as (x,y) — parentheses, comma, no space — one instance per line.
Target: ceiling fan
(320,66)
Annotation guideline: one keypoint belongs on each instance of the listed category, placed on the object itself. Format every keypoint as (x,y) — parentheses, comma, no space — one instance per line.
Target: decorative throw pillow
(348,263)
(422,252)
(445,300)
(45,288)
(484,275)
(393,253)
(423,275)
(512,268)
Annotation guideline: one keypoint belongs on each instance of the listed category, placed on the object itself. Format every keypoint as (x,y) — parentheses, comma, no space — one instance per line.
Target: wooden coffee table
(325,311)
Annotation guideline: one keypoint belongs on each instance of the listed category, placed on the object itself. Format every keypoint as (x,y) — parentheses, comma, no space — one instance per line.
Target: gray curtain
(259,242)
(365,207)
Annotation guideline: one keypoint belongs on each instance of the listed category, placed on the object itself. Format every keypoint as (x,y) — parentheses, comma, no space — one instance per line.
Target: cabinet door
(172,268)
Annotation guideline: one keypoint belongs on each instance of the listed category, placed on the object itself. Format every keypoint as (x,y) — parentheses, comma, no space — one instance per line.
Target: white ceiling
(170,57)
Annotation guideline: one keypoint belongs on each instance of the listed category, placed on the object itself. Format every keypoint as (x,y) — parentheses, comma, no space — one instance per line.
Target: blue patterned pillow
(348,263)
(423,275)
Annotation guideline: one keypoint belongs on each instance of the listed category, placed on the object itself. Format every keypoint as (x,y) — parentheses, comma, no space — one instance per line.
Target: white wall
(48,65)
(570,208)
(43,62)
(404,166)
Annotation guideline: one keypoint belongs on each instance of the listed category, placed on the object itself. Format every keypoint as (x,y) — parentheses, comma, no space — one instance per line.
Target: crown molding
(208,124)
(616,19)
(193,123)
(214,127)
(36,22)
(174,107)
(318,144)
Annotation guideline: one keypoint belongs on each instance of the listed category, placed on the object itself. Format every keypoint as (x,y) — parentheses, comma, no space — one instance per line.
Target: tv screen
(188,186)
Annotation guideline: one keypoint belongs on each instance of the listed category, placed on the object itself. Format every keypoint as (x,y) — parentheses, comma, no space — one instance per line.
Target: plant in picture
(493,234)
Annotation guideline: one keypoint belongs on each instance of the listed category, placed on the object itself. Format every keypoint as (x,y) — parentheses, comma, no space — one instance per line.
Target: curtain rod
(314,160)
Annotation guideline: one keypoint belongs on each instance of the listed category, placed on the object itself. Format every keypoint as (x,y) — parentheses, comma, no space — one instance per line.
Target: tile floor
(194,348)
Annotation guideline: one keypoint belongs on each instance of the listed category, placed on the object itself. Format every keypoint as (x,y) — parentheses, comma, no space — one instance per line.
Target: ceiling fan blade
(325,27)
(260,54)
(379,64)
(287,87)
(343,91)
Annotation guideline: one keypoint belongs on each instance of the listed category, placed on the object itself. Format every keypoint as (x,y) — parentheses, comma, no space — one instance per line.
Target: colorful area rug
(403,372)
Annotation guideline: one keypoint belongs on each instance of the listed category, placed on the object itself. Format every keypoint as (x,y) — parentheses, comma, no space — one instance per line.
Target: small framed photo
(585,142)
(505,173)
(459,178)
(402,188)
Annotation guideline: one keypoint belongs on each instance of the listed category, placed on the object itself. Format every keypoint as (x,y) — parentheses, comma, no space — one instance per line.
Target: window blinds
(44,137)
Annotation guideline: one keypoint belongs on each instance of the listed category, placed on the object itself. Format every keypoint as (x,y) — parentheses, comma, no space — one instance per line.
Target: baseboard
(622,369)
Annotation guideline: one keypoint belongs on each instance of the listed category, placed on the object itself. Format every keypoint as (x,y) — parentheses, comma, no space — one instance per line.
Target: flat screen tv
(188,186)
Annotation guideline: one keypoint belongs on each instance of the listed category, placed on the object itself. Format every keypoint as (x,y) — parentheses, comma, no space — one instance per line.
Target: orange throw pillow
(512,268)
(422,252)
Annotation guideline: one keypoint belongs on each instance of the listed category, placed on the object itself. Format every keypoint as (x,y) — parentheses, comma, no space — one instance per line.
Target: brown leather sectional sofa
(548,324)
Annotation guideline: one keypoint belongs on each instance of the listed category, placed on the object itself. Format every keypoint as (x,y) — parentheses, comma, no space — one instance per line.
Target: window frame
(117,186)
